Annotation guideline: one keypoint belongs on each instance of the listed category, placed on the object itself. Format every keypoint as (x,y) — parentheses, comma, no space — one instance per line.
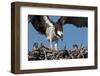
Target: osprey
(54,30)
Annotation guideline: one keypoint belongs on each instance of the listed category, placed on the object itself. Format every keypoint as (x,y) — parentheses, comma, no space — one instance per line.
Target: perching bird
(54,30)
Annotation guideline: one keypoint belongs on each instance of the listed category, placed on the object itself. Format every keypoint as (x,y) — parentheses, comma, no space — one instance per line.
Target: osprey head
(59,31)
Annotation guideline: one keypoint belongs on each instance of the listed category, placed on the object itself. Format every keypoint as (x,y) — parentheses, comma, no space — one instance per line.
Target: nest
(45,53)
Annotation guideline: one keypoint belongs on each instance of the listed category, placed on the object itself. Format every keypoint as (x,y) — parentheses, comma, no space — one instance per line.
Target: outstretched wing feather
(38,23)
(76,21)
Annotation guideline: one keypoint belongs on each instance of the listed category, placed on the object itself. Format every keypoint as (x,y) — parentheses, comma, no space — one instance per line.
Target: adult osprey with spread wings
(54,30)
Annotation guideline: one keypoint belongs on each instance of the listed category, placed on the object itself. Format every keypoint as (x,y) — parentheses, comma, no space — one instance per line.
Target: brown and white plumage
(54,30)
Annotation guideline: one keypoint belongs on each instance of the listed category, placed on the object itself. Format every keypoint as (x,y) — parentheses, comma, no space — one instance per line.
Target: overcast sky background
(72,35)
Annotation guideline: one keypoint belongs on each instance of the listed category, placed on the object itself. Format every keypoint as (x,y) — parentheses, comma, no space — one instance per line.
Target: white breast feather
(50,32)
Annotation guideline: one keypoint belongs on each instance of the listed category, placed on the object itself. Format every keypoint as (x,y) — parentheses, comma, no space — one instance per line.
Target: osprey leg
(50,44)
(56,46)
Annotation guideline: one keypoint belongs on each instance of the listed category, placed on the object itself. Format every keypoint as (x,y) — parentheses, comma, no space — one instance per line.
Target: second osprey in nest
(54,30)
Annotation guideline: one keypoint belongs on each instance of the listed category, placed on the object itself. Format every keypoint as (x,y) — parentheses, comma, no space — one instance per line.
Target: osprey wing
(76,21)
(40,23)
